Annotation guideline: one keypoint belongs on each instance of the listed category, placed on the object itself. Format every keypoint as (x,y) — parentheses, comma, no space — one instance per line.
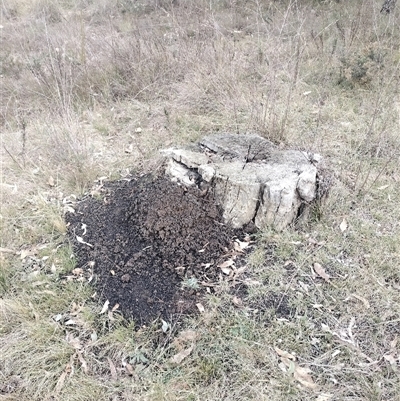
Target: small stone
(126,278)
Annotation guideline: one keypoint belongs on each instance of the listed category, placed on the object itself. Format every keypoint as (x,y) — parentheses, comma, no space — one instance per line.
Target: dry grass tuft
(91,90)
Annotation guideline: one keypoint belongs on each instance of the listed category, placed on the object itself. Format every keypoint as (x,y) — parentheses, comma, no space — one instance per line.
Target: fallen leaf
(383,187)
(321,271)
(47,292)
(129,149)
(77,271)
(113,371)
(226,270)
(249,281)
(178,358)
(283,367)
(75,309)
(33,274)
(363,300)
(187,335)
(288,263)
(317,306)
(25,253)
(69,209)
(343,225)
(284,354)
(391,359)
(38,283)
(61,379)
(240,246)
(324,397)
(350,328)
(302,375)
(105,307)
(303,286)
(206,265)
(129,369)
(73,341)
(83,362)
(7,250)
(184,337)
(315,341)
(102,178)
(83,228)
(326,328)
(165,326)
(58,317)
(200,307)
(240,270)
(81,241)
(225,264)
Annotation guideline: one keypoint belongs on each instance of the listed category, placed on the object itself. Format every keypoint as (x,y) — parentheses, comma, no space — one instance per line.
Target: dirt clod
(154,244)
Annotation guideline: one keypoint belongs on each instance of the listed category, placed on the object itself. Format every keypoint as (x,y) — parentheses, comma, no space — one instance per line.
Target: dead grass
(93,90)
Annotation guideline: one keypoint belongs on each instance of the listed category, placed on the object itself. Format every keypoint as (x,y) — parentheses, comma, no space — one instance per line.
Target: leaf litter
(300,373)
(321,272)
(180,343)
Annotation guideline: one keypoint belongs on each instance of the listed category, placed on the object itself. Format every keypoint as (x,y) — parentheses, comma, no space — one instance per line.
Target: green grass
(85,95)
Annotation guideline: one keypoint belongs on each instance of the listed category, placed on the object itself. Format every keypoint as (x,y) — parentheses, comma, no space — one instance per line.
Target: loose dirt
(153,246)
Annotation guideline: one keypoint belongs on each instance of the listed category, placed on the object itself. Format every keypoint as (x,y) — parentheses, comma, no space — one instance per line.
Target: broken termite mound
(152,248)
(254,181)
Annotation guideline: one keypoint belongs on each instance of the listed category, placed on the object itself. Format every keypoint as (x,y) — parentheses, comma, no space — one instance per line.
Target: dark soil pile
(153,243)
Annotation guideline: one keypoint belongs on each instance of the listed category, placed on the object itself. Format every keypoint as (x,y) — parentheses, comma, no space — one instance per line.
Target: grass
(94,89)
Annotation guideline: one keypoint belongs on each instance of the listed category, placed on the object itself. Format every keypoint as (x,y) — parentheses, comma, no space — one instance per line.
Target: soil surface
(153,246)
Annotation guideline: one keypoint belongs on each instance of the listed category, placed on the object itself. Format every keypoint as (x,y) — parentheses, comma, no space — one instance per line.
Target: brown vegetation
(90,91)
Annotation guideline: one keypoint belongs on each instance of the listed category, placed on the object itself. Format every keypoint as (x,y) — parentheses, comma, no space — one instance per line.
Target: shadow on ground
(153,246)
